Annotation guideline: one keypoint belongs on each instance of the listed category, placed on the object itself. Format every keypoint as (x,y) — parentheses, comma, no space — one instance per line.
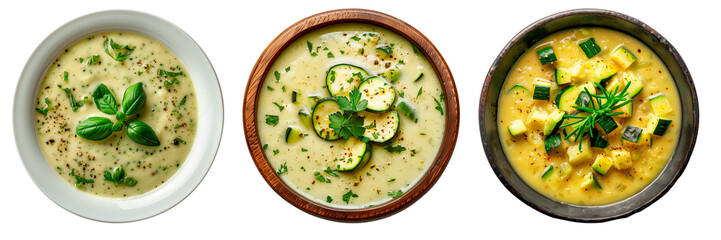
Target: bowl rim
(351,15)
(607,13)
(199,159)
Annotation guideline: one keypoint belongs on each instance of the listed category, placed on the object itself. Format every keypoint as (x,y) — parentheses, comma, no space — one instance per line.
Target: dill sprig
(600,106)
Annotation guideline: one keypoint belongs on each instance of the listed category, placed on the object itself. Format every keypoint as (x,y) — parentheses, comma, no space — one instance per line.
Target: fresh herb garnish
(385,48)
(99,128)
(355,38)
(168,74)
(396,148)
(47,108)
(287,69)
(395,194)
(167,83)
(438,105)
(330,55)
(270,88)
(601,107)
(354,104)
(120,52)
(348,195)
(279,106)
(328,199)
(347,124)
(118,176)
(391,180)
(271,120)
(265,146)
(276,151)
(277,76)
(179,141)
(73,104)
(330,172)
(310,46)
(93,60)
(320,177)
(65,76)
(283,169)
(80,181)
(419,93)
(303,150)
(182,102)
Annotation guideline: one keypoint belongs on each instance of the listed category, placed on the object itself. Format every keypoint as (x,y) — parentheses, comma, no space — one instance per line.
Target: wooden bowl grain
(297,30)
(535,32)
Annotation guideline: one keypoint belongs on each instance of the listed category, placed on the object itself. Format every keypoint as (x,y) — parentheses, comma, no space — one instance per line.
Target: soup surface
(620,159)
(299,85)
(116,114)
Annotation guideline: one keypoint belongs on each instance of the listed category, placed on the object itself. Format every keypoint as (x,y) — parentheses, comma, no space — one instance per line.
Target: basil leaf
(118,174)
(117,127)
(142,134)
(120,116)
(130,182)
(73,104)
(108,177)
(133,99)
(121,52)
(164,73)
(104,100)
(95,128)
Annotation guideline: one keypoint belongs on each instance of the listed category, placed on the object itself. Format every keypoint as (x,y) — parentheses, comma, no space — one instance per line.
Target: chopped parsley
(396,148)
(287,69)
(283,169)
(330,172)
(329,199)
(44,111)
(277,76)
(438,106)
(391,180)
(270,88)
(276,151)
(419,92)
(271,119)
(279,106)
(303,150)
(265,146)
(348,195)
(330,55)
(395,194)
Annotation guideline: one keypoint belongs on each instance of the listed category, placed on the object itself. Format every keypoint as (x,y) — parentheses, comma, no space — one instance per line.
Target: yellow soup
(299,82)
(608,167)
(136,134)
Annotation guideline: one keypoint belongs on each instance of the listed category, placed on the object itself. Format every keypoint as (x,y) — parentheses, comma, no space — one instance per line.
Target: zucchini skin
(330,135)
(378,100)
(382,116)
(334,75)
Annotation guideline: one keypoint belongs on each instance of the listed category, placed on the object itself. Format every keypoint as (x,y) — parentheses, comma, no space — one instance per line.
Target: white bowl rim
(208,133)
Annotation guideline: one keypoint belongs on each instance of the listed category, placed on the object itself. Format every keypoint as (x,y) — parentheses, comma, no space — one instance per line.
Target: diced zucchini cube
(546,55)
(607,124)
(621,159)
(542,89)
(517,128)
(293,134)
(391,75)
(658,126)
(632,134)
(553,121)
(590,180)
(563,76)
(660,104)
(577,156)
(537,115)
(590,48)
(565,169)
(548,172)
(600,70)
(304,117)
(636,84)
(623,57)
(602,164)
(294,96)
(552,142)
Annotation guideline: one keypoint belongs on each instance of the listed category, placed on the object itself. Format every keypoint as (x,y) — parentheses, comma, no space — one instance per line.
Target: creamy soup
(538,111)
(116,114)
(402,119)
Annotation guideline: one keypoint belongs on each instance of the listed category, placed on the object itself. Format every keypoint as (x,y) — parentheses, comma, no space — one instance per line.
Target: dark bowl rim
(608,13)
(339,16)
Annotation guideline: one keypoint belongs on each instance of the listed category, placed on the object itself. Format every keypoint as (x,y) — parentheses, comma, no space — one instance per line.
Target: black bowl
(598,18)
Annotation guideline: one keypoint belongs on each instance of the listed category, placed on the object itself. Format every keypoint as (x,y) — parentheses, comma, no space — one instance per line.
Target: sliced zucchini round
(324,108)
(343,78)
(353,154)
(380,94)
(380,127)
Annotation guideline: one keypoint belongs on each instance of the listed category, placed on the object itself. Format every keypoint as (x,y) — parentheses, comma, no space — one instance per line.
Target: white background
(468,201)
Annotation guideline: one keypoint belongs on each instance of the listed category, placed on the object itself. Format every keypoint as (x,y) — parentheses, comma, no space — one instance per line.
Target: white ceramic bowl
(200,158)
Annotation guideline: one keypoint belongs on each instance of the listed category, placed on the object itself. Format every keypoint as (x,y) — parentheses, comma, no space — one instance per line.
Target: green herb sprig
(80,181)
(99,128)
(120,52)
(118,176)
(348,123)
(600,106)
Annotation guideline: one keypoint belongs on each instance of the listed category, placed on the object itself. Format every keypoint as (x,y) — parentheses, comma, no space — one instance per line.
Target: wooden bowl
(575,18)
(276,47)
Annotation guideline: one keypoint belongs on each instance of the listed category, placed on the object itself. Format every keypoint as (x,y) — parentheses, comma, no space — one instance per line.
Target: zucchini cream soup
(591,116)
(351,115)
(116,114)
